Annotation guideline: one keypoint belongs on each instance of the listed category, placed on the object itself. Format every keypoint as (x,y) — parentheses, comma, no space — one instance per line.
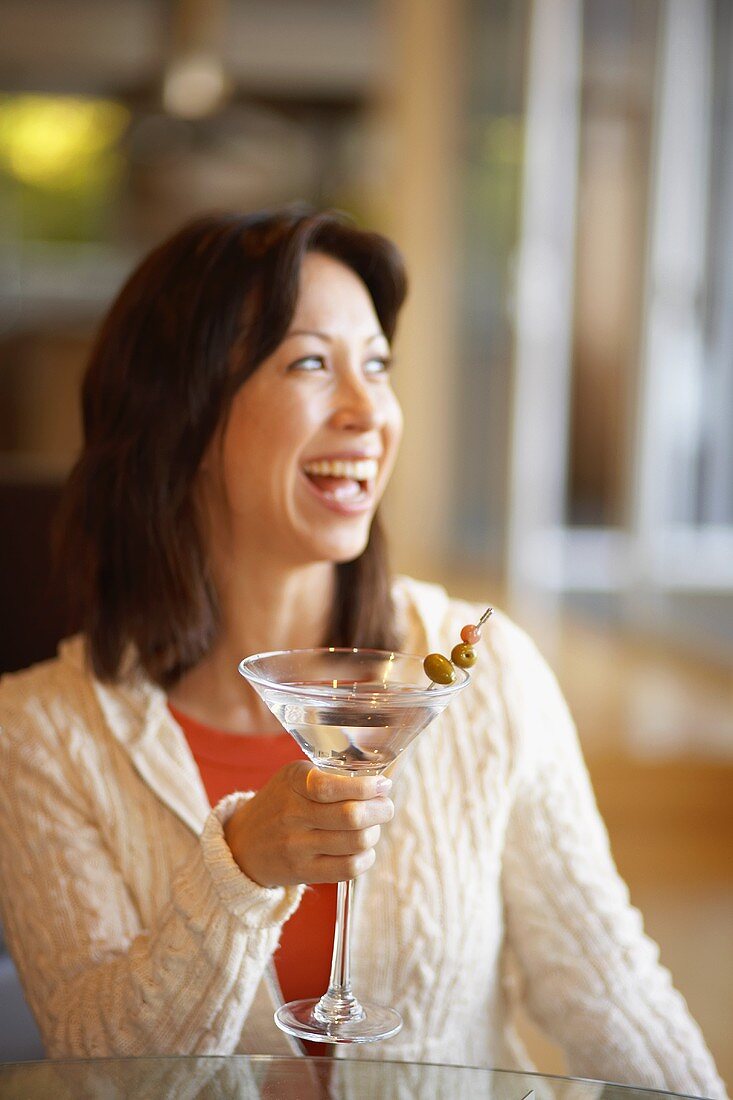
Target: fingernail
(384,785)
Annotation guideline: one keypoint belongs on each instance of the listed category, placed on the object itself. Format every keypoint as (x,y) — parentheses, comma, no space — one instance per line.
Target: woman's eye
(379,364)
(308,363)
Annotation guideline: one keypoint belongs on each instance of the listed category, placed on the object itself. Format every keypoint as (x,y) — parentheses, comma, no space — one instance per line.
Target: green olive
(463,655)
(439,669)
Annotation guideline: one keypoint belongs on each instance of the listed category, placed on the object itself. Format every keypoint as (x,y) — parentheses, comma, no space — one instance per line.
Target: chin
(340,550)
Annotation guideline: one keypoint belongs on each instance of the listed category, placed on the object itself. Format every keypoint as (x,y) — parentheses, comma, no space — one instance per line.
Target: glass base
(377,1023)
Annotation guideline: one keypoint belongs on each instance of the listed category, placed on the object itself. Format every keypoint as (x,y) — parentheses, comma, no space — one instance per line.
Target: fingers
(345,844)
(319,785)
(341,868)
(350,816)
(316,826)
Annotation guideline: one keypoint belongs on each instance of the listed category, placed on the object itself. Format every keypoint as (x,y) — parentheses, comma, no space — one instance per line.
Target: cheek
(394,421)
(261,451)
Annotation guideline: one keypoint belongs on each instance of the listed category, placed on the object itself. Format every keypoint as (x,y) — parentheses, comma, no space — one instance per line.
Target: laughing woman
(239,430)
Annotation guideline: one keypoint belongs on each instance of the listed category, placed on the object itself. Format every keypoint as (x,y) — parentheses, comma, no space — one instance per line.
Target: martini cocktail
(353,711)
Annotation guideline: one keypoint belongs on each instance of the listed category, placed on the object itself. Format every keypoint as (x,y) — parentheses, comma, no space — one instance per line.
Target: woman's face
(312,435)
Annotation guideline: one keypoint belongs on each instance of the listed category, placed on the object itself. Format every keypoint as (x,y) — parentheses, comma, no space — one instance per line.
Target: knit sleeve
(592,978)
(100,980)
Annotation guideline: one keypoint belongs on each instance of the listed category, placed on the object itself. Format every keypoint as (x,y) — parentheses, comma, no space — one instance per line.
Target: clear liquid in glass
(334,736)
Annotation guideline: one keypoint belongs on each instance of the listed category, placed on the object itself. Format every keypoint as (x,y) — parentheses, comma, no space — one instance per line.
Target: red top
(230,763)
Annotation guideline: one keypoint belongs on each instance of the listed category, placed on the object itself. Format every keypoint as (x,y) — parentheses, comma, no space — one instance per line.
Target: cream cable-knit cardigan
(135,932)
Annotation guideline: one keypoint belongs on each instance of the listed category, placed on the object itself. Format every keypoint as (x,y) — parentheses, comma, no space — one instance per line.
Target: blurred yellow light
(57,142)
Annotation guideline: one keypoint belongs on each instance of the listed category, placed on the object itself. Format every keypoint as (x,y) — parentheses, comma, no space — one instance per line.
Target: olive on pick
(439,669)
(463,655)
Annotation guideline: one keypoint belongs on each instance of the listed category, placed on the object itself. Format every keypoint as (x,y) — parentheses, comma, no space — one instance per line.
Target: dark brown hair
(188,328)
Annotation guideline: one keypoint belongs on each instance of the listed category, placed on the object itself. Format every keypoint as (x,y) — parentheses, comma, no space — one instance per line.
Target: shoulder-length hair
(188,328)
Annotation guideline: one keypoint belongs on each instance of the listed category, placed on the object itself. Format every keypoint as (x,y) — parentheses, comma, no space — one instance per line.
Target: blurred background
(559,174)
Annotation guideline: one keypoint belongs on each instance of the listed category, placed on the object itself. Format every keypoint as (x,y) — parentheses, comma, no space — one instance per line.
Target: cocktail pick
(440,670)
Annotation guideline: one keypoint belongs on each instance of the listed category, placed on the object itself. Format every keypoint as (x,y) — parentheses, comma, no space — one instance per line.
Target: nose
(357,405)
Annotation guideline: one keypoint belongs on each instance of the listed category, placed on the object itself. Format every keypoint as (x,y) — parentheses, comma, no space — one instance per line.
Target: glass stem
(339,1004)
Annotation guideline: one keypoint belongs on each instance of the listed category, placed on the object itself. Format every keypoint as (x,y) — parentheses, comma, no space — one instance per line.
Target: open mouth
(343,481)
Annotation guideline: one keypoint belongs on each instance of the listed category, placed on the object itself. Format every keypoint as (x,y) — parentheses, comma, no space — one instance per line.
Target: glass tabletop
(265,1078)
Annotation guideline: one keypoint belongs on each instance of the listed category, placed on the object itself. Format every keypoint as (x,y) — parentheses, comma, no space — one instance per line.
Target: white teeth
(364,469)
(348,491)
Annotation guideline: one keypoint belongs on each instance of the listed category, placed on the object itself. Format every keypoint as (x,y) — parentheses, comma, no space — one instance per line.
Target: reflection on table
(265,1078)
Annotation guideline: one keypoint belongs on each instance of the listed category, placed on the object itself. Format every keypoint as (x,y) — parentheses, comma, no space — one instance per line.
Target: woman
(240,428)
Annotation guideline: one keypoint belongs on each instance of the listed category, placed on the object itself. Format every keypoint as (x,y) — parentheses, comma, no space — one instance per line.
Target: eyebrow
(324,336)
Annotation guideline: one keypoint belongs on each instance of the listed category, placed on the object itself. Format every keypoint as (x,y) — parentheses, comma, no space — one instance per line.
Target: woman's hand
(308,825)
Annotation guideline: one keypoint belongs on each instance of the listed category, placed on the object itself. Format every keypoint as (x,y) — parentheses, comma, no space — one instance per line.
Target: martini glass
(352,711)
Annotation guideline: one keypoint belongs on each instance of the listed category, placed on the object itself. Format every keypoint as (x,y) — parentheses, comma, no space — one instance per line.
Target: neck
(263,608)
(271,607)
